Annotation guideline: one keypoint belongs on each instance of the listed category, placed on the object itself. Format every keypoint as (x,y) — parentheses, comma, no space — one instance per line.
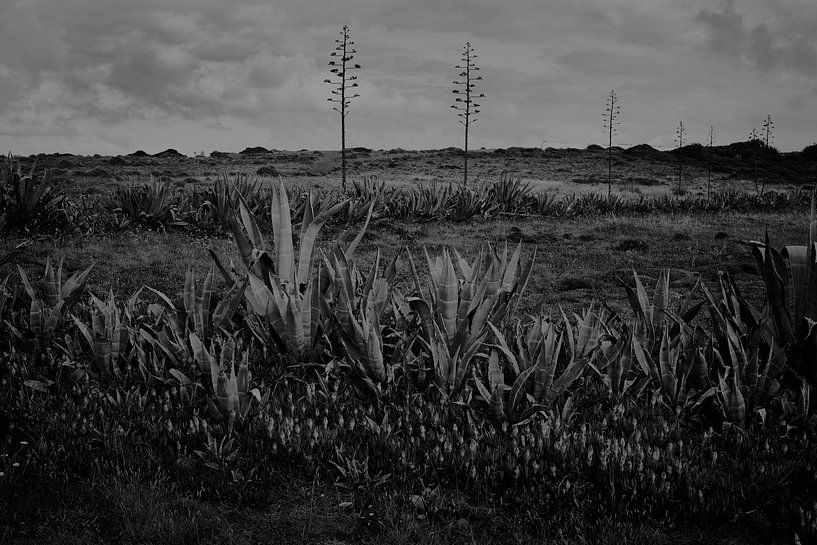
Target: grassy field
(575,259)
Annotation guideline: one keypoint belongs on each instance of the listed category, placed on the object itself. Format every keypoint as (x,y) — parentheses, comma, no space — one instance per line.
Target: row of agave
(508,195)
(32,202)
(454,334)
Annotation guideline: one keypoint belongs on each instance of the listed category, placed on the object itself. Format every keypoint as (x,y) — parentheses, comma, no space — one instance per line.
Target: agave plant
(790,279)
(467,203)
(357,305)
(150,205)
(424,202)
(544,362)
(282,293)
(108,336)
(510,192)
(25,199)
(653,316)
(677,357)
(745,348)
(365,195)
(46,316)
(453,317)
(232,392)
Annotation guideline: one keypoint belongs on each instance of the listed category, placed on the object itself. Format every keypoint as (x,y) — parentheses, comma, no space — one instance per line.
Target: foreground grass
(129,507)
(577,260)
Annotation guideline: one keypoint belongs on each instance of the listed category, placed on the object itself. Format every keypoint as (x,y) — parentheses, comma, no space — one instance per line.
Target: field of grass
(576,259)
(140,448)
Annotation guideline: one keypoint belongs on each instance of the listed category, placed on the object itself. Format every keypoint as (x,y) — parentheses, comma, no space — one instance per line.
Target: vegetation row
(34,203)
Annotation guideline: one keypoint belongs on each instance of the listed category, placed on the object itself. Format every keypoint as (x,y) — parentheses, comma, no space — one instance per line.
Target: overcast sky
(113,76)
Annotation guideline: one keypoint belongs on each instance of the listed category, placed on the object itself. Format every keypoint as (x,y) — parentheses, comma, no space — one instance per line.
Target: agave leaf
(632,297)
(26,284)
(50,287)
(645,361)
(571,373)
(480,320)
(202,318)
(481,388)
(227,276)
(504,348)
(189,294)
(737,405)
(204,359)
(465,269)
(495,375)
(35,318)
(375,353)
(464,363)
(660,299)
(610,356)
(498,403)
(589,332)
(643,300)
(307,250)
(282,227)
(295,327)
(83,329)
(517,390)
(447,296)
(667,362)
(367,285)
(75,284)
(510,270)
(350,250)
(248,222)
(54,320)
(305,309)
(568,332)
(226,308)
(776,293)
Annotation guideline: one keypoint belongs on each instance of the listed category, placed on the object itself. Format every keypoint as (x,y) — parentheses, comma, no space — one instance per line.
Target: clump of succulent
(27,200)
(153,205)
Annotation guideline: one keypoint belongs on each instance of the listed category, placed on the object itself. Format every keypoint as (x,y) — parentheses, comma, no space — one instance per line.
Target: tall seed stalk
(754,139)
(611,113)
(679,138)
(709,162)
(465,89)
(340,68)
(768,129)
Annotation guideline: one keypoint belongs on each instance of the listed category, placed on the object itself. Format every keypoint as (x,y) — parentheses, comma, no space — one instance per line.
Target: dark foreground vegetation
(296,395)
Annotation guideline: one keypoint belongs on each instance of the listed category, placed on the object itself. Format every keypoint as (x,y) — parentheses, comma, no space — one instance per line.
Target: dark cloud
(779,45)
(120,74)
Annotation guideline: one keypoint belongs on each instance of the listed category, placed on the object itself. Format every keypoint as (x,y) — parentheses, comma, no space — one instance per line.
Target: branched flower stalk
(709,162)
(768,130)
(754,139)
(465,89)
(611,113)
(679,139)
(341,69)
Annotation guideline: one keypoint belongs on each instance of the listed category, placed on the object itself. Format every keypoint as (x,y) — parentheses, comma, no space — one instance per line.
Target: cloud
(771,44)
(117,74)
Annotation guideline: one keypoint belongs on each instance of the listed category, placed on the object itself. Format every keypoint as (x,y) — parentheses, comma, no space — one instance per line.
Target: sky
(114,76)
